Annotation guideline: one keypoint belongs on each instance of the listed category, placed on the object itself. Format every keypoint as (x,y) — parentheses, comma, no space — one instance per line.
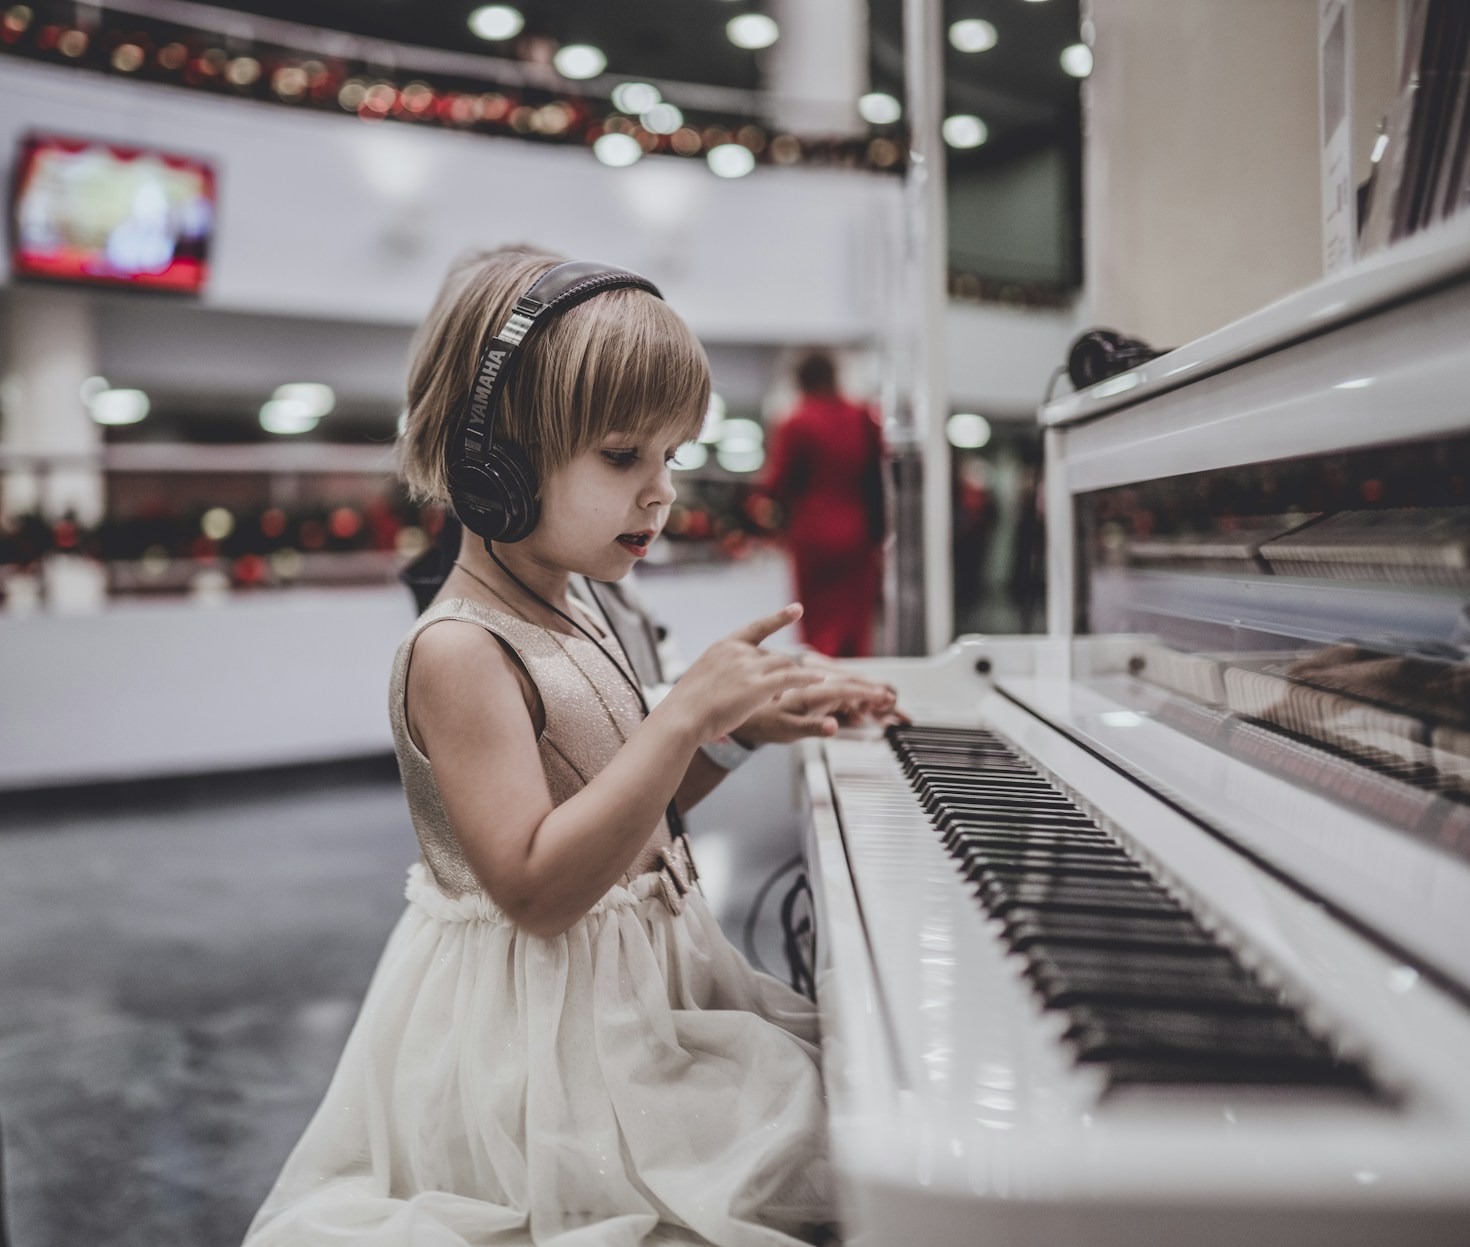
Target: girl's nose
(661,492)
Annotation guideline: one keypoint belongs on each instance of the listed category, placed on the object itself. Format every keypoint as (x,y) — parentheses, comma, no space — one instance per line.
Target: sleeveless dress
(631,1081)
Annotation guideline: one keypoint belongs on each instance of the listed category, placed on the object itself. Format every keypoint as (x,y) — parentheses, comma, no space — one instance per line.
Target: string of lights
(620,129)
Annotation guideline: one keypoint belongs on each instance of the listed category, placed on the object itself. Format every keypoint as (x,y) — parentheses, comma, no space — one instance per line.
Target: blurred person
(826,471)
(559,1044)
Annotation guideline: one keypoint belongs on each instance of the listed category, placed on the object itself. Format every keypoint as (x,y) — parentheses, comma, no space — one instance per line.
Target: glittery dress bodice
(589,712)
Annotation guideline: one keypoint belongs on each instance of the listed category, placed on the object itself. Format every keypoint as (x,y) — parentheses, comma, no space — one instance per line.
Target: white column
(814,73)
(49,350)
(928,262)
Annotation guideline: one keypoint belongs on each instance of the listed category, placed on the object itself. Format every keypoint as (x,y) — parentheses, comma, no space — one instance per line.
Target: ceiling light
(964,130)
(752,30)
(745,459)
(967,431)
(741,434)
(878,108)
(662,119)
(217,523)
(973,35)
(635,97)
(286,415)
(714,416)
(691,456)
(579,60)
(312,397)
(118,406)
(730,160)
(1077,60)
(618,150)
(496,21)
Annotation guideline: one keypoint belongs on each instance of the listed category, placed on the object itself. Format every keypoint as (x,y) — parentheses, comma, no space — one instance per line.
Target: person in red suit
(826,471)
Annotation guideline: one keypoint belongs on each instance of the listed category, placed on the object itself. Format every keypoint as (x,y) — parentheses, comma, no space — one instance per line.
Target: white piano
(1169,943)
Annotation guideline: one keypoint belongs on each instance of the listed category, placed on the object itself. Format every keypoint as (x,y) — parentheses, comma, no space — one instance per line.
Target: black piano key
(1212,986)
(981,820)
(981,796)
(1061,960)
(1178,936)
(1004,890)
(1237,1070)
(980,864)
(1010,838)
(980,867)
(1014,842)
(1065,905)
(1114,1034)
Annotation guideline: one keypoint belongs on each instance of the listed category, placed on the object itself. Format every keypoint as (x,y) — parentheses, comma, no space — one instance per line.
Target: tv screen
(119,216)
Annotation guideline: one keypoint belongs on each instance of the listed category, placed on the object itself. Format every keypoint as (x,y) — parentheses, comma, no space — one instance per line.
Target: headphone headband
(553,293)
(492,485)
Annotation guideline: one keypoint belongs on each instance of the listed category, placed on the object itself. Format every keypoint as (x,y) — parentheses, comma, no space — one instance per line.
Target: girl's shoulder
(437,663)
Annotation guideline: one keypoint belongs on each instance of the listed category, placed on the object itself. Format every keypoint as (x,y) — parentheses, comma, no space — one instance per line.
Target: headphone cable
(676,820)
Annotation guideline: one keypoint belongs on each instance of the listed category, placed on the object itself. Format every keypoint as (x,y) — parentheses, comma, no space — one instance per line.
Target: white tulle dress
(632,1081)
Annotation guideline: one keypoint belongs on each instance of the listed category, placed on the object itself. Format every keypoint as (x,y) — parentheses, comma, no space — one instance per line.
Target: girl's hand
(734,677)
(838,701)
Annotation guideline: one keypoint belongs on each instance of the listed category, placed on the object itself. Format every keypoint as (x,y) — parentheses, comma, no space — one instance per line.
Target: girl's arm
(547,865)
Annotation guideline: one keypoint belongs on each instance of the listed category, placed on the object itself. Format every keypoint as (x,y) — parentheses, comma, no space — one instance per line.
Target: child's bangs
(642,372)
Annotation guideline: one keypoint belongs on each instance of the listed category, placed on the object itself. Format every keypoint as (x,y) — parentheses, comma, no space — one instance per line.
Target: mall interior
(1160,307)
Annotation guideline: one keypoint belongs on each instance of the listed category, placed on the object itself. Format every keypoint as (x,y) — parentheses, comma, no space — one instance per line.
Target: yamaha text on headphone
(491,482)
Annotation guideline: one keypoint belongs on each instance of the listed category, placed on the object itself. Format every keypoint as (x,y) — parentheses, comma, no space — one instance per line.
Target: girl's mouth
(636,543)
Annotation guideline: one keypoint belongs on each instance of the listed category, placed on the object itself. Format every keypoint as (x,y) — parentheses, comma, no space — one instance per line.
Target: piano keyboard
(1055,1009)
(1149,996)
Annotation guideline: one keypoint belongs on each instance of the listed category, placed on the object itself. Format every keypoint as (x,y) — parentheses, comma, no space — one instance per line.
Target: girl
(558,1045)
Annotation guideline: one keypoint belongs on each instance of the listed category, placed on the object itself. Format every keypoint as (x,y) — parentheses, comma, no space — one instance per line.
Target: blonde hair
(622,361)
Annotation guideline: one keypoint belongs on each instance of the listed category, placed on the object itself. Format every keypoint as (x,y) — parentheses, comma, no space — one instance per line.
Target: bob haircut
(621,362)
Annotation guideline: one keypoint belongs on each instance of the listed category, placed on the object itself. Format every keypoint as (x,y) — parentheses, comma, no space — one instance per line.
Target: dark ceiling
(1018,86)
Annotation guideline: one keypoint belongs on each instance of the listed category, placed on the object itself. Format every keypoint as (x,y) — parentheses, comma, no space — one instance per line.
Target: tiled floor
(179,970)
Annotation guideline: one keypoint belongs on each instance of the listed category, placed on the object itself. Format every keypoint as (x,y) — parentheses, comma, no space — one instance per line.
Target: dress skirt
(631,1081)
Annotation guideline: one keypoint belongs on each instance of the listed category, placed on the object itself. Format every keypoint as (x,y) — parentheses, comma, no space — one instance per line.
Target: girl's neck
(548,583)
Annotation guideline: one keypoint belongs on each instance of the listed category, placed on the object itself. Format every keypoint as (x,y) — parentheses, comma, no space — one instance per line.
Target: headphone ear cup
(496,499)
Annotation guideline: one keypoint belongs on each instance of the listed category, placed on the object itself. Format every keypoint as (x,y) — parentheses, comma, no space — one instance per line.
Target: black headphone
(1102,353)
(492,485)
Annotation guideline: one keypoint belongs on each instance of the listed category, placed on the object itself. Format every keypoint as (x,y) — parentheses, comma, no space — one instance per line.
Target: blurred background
(225,222)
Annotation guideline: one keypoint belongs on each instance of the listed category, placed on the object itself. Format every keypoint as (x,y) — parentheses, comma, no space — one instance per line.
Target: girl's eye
(621,458)
(672,458)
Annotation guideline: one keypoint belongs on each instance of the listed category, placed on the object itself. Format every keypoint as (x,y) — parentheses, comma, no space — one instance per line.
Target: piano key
(1120,984)
(1012,841)
(1237,1071)
(1278,1044)
(982,866)
(1089,931)
(1067,904)
(981,818)
(1016,889)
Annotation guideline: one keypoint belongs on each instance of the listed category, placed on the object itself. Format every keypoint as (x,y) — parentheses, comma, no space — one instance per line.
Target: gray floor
(179,969)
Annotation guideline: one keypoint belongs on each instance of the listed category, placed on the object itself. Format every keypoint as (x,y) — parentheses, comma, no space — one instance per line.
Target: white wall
(160,688)
(1202,169)
(324,215)
(1000,358)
